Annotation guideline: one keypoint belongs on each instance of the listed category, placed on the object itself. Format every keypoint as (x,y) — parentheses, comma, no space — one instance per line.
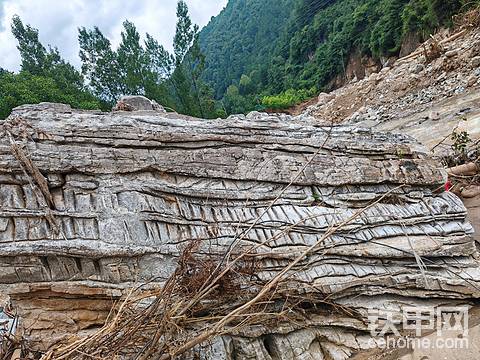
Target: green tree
(148,69)
(184,74)
(246,85)
(234,102)
(160,62)
(37,60)
(160,65)
(131,69)
(32,52)
(44,76)
(194,96)
(99,64)
(185,32)
(132,61)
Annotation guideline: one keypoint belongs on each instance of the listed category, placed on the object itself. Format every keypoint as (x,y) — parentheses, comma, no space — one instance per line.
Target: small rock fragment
(137,103)
(416,69)
(325,98)
(451,53)
(472,80)
(434,115)
(475,61)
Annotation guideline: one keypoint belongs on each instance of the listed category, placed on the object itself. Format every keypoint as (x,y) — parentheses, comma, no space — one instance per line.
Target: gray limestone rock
(116,195)
(475,61)
(137,103)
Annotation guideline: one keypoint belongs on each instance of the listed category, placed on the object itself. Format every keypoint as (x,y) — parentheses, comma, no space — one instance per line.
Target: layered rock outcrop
(92,204)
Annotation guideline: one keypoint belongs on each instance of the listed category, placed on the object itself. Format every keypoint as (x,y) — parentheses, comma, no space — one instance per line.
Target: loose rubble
(407,87)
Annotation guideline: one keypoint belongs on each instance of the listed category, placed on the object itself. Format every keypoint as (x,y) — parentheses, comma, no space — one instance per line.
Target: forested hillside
(255,55)
(241,37)
(294,48)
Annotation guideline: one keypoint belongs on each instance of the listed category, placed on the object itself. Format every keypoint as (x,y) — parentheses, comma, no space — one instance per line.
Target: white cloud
(58,20)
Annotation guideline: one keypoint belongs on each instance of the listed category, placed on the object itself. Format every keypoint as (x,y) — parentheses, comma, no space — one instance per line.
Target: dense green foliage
(240,38)
(304,44)
(25,88)
(287,98)
(134,68)
(44,76)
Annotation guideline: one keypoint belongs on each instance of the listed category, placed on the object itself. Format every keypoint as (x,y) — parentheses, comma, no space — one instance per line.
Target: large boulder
(92,204)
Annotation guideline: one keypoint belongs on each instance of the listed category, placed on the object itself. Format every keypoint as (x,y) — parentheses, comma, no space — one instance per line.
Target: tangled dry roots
(433,50)
(155,324)
(468,20)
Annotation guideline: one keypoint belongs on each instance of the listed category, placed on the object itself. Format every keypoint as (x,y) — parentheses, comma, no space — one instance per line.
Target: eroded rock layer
(93,203)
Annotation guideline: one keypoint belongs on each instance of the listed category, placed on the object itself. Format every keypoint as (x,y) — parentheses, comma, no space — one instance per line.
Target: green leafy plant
(460,139)
(287,98)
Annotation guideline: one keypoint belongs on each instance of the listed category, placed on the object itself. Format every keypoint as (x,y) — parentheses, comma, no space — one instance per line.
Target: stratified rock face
(120,193)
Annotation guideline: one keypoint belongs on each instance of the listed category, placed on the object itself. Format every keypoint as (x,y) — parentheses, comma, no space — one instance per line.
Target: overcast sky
(58,20)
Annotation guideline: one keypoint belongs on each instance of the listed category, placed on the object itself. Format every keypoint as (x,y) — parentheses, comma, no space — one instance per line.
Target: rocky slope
(425,98)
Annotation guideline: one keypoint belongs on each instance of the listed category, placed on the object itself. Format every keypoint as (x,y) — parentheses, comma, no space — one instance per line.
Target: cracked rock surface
(125,190)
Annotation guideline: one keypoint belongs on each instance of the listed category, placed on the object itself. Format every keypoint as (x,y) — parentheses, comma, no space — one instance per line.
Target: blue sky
(58,20)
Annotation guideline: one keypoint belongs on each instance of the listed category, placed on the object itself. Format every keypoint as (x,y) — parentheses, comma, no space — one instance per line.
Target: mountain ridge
(261,48)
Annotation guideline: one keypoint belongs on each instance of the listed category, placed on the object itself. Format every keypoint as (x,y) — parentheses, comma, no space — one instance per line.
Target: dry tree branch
(31,170)
(37,181)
